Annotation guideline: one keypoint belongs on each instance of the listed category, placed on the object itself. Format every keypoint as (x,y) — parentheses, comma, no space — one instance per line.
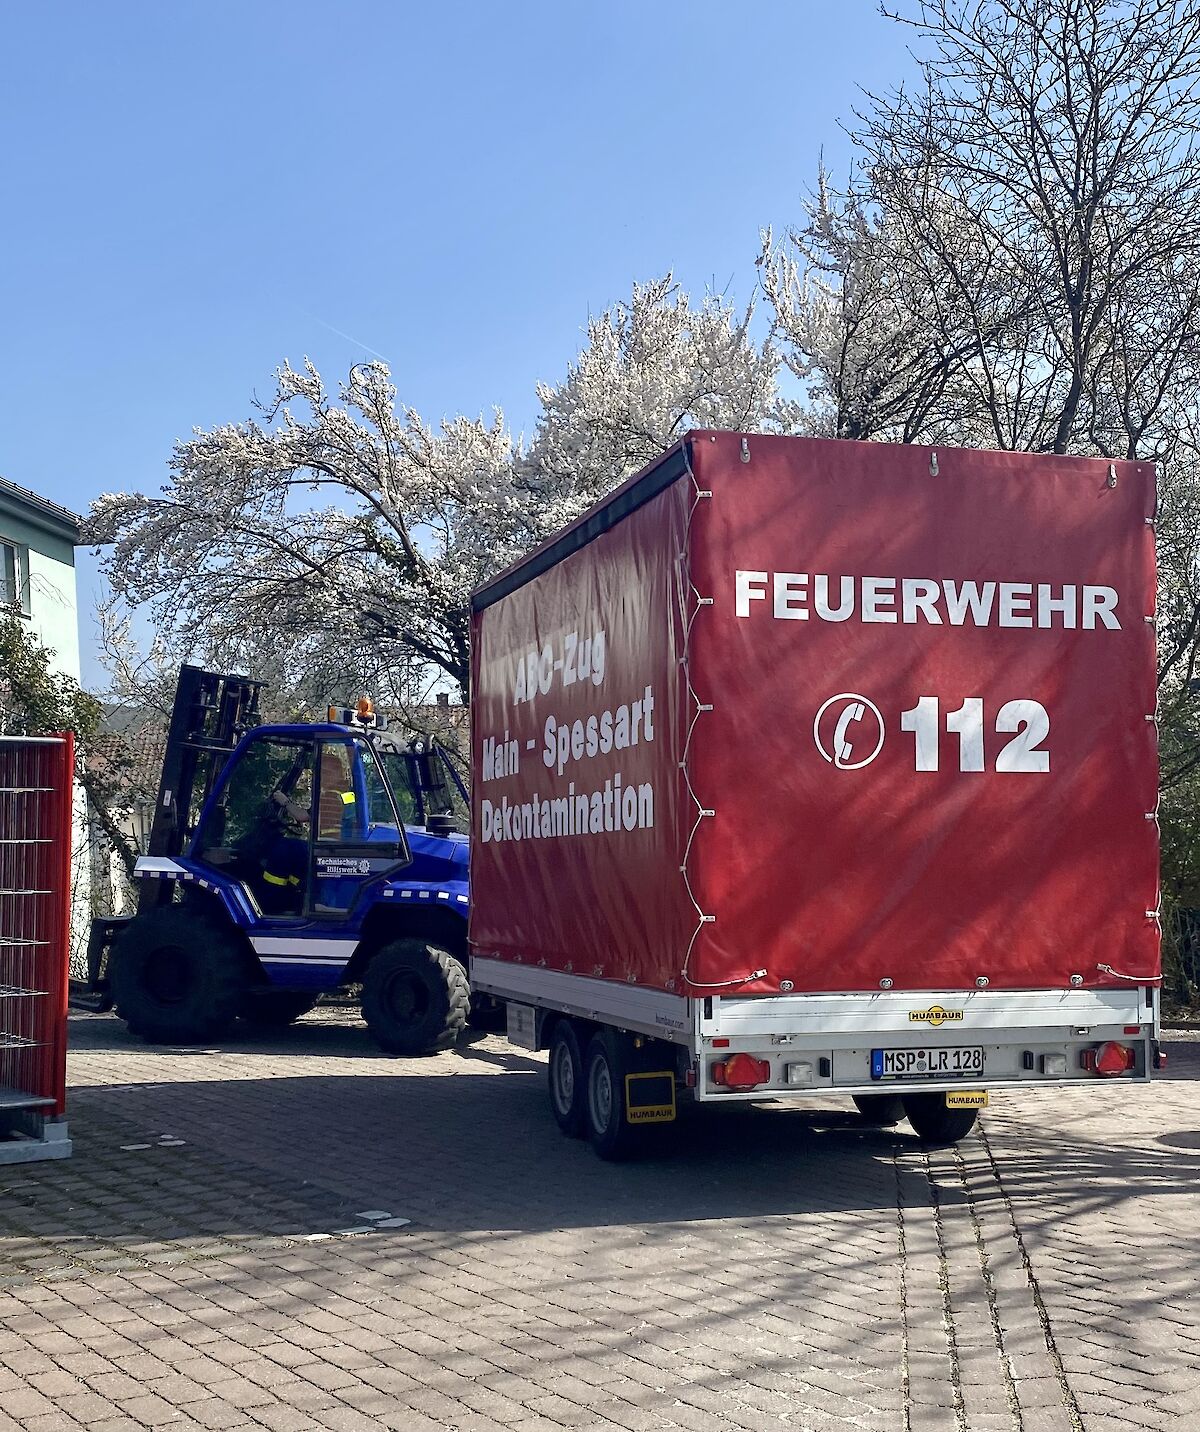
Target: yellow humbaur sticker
(935,1015)
(650,1097)
(966,1099)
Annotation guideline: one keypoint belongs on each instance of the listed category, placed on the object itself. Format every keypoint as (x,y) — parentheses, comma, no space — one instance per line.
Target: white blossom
(336,535)
(651,370)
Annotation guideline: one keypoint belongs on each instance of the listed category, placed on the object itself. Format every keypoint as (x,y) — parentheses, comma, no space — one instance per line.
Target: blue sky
(192,192)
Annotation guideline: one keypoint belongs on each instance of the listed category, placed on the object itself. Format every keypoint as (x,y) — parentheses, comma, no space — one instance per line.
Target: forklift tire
(415,998)
(565,1082)
(271,1009)
(881,1110)
(934,1122)
(177,978)
(605,1066)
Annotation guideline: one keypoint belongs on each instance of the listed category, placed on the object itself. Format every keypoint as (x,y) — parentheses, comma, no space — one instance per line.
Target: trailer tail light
(1133,1029)
(1108,1059)
(1055,1065)
(741,1071)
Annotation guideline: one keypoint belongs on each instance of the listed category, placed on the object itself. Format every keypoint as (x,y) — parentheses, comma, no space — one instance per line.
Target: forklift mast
(210,715)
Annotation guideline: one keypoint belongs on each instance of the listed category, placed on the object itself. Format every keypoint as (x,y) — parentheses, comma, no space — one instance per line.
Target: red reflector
(1113,1058)
(741,1071)
(720,1044)
(1133,1029)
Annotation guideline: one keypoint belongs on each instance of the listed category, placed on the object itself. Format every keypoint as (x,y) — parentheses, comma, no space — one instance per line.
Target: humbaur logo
(934,1015)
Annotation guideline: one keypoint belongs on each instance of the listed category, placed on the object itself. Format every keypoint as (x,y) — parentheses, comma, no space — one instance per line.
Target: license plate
(954,1063)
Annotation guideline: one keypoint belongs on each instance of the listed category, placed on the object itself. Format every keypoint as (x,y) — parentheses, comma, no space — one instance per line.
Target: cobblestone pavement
(771,1269)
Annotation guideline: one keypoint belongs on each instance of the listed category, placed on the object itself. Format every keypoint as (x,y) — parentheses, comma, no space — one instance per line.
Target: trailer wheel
(177,978)
(882,1110)
(415,998)
(605,1066)
(566,1084)
(934,1122)
(270,1009)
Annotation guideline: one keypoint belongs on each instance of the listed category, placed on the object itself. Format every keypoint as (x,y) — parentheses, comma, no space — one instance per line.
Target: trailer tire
(415,998)
(934,1122)
(881,1110)
(565,1080)
(605,1065)
(273,1009)
(177,978)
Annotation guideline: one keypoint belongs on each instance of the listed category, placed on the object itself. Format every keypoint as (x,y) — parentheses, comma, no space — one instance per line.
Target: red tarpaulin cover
(606,902)
(927,758)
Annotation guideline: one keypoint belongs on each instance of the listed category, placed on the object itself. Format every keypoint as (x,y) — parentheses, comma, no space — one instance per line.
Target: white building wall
(53,615)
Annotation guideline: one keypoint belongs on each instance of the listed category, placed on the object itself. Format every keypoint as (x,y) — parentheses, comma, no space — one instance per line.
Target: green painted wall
(15,526)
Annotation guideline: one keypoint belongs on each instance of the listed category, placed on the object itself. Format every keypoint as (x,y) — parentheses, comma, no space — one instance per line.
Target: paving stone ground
(770,1269)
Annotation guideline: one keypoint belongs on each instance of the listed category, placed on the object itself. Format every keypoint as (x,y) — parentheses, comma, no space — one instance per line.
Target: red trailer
(36,788)
(807,767)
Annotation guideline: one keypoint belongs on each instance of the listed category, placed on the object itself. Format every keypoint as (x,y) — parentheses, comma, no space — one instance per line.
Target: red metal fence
(36,789)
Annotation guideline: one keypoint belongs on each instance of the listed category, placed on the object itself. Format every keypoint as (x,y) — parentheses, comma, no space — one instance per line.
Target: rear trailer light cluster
(741,1071)
(1108,1059)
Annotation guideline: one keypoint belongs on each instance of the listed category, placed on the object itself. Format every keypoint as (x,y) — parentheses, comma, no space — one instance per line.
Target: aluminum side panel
(643,1011)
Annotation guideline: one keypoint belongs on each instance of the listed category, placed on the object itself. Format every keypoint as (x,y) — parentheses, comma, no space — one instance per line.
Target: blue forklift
(287,862)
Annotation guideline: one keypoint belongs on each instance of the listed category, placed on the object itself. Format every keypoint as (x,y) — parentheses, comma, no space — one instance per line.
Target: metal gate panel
(36,789)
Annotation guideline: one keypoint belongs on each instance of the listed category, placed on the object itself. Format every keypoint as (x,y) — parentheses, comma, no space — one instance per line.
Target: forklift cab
(304,820)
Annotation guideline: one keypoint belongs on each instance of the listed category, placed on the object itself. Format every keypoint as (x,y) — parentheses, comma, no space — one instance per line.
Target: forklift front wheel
(177,979)
(415,998)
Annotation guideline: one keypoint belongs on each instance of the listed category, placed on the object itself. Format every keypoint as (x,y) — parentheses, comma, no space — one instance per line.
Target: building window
(14,576)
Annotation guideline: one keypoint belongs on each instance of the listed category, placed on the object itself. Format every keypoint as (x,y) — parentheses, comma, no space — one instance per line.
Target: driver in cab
(284,864)
(285,858)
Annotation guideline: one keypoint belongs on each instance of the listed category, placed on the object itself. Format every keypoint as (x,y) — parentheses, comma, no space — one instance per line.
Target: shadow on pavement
(465,1141)
(333,1033)
(758,1233)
